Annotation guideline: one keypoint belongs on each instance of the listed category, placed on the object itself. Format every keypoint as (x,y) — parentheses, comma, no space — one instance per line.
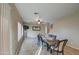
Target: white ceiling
(49,12)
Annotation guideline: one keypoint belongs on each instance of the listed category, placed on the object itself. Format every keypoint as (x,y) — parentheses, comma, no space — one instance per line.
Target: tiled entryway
(29,46)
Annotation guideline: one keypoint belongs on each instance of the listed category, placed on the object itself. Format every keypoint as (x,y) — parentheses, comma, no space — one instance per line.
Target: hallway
(60,20)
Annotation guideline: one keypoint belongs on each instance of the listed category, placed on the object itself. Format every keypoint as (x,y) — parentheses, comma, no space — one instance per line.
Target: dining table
(50,42)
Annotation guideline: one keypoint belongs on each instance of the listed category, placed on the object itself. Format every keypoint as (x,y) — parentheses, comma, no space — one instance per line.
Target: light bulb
(38,22)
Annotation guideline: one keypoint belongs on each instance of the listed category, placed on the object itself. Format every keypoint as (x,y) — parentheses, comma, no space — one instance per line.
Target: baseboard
(73,47)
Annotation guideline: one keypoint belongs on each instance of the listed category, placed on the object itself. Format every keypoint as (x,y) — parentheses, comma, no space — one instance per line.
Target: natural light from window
(20,31)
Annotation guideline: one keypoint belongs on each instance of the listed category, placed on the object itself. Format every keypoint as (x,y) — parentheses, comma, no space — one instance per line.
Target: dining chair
(39,39)
(43,41)
(60,47)
(53,37)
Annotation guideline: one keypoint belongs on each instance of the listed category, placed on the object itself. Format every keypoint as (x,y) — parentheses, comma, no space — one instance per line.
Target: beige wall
(68,27)
(49,27)
(0,27)
(15,19)
(9,30)
(5,19)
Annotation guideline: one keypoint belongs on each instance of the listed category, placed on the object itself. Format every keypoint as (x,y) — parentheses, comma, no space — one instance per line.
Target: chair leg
(42,44)
(57,53)
(51,51)
(47,47)
(62,53)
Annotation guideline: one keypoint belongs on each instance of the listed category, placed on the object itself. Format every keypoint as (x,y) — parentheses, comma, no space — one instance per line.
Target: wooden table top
(52,42)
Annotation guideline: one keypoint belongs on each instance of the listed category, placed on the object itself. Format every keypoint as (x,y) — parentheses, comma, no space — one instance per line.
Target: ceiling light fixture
(37,18)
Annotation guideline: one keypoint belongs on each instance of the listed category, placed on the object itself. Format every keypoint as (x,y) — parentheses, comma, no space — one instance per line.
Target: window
(20,31)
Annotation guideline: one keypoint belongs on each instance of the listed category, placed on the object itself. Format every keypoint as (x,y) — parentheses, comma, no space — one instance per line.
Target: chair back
(62,44)
(54,37)
(38,36)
